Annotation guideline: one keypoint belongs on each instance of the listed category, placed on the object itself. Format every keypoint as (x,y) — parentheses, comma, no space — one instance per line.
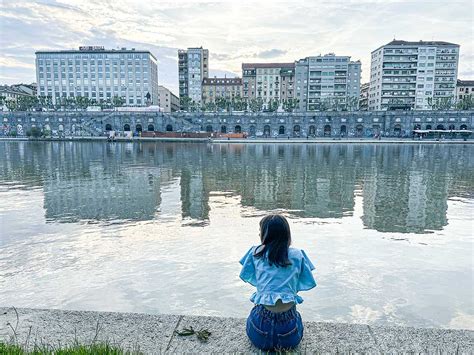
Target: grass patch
(96,349)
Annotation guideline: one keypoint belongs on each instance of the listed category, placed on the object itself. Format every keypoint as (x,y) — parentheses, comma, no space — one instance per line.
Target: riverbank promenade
(156,334)
(252,140)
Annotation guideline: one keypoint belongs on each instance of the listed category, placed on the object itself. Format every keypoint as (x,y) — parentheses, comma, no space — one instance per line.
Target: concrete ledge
(249,140)
(154,334)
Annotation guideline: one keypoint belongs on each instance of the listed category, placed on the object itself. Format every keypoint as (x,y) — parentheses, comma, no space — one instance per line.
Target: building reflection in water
(405,188)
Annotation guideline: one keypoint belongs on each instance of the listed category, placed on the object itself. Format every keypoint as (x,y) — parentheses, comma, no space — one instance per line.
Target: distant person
(278,272)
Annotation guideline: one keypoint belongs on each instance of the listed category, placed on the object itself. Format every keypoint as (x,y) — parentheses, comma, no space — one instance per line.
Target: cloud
(271,53)
(234,32)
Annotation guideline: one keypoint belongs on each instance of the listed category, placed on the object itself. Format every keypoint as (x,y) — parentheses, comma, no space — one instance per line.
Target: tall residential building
(193,67)
(409,75)
(167,101)
(229,88)
(322,79)
(268,81)
(98,74)
(464,88)
(364,97)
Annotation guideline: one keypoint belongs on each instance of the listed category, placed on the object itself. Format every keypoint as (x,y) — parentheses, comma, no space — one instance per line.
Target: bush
(47,133)
(13,133)
(34,132)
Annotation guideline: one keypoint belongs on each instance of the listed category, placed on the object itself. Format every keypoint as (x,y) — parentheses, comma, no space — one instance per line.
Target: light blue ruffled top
(276,282)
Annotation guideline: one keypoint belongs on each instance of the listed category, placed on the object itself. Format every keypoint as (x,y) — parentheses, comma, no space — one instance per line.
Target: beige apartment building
(268,81)
(228,88)
(167,101)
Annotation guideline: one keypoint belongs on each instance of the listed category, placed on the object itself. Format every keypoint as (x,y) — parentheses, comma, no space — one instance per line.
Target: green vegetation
(77,349)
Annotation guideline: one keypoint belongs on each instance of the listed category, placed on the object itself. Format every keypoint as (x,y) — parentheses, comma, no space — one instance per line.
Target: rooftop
(267,65)
(222,81)
(94,49)
(465,82)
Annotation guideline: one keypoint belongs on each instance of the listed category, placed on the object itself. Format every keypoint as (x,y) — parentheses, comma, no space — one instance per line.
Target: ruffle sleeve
(306,280)
(248,268)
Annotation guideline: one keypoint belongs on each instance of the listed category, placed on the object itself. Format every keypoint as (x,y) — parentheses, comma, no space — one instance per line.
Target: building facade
(98,74)
(410,75)
(13,92)
(324,81)
(193,67)
(213,88)
(167,101)
(364,97)
(464,88)
(268,81)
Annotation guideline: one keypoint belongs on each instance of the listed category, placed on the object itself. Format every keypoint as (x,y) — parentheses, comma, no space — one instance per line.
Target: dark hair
(275,236)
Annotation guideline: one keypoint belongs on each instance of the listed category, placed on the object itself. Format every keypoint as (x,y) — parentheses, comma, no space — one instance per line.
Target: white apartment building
(408,75)
(98,74)
(193,67)
(321,80)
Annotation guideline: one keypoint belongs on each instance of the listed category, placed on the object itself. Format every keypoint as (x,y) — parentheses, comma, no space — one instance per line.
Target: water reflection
(405,188)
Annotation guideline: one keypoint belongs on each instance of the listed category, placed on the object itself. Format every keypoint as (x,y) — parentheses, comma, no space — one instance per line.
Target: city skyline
(233,33)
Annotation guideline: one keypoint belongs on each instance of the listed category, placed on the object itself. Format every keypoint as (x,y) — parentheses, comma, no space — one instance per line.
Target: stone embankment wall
(318,124)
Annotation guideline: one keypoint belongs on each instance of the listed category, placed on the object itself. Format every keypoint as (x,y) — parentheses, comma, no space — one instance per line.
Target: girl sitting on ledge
(278,272)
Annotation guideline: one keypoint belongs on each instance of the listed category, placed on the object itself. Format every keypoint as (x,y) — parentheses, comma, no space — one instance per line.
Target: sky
(234,31)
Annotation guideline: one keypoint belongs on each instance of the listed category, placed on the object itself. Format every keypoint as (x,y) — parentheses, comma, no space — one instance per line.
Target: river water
(160,227)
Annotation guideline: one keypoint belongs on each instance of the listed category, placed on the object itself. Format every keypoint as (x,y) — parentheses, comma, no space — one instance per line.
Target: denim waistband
(277,316)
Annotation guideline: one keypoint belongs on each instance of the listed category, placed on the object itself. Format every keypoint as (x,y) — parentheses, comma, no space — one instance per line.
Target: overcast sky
(233,31)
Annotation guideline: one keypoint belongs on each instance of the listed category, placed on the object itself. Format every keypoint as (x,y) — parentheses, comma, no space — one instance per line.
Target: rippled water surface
(159,228)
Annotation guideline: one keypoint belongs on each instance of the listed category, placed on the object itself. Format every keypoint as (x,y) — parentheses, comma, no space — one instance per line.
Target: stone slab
(154,334)
(395,340)
(337,338)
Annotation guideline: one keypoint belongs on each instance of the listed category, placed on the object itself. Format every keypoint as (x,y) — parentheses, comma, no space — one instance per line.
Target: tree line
(38,103)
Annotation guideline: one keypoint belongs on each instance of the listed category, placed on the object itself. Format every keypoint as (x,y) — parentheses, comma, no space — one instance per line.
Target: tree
(11,105)
(221,103)
(273,105)
(26,103)
(352,103)
(2,100)
(118,101)
(256,105)
(290,104)
(238,103)
(466,103)
(210,107)
(185,103)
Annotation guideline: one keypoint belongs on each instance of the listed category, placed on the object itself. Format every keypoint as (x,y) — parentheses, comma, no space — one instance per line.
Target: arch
(359,130)
(440,127)
(428,126)
(108,127)
(463,127)
(209,128)
(223,129)
(238,129)
(397,130)
(266,130)
(281,130)
(126,127)
(343,129)
(451,127)
(296,130)
(151,128)
(312,130)
(253,131)
(327,131)
(138,127)
(169,128)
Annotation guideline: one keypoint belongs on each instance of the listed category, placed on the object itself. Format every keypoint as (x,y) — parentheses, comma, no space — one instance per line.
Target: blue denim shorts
(268,330)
